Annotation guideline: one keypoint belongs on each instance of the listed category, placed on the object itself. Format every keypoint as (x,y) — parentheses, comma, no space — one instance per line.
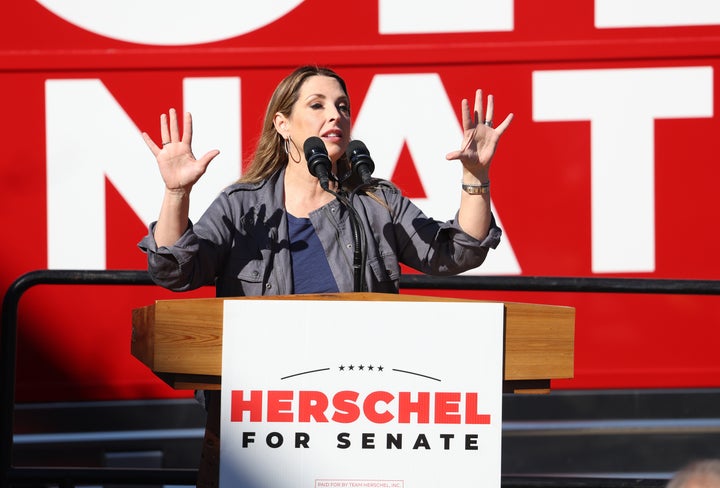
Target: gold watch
(477,189)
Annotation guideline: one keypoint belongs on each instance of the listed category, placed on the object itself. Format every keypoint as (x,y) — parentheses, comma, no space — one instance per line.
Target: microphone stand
(360,254)
(319,165)
(359,242)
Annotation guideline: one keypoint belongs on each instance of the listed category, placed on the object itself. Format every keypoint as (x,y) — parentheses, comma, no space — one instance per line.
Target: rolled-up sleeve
(436,247)
(173,267)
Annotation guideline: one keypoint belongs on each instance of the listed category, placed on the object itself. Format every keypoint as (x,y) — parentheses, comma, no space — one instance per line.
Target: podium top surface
(181,340)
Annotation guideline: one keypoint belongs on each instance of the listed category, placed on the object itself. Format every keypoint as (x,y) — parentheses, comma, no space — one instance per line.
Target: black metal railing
(70,477)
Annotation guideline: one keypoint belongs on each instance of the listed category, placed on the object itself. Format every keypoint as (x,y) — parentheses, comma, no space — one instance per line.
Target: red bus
(609,168)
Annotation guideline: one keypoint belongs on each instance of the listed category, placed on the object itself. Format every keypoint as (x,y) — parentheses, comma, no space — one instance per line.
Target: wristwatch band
(477,189)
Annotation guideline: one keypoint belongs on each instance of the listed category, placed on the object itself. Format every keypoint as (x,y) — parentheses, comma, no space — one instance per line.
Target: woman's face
(323,110)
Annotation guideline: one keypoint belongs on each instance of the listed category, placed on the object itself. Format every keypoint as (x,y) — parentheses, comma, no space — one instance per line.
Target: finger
(469,139)
(174,131)
(451,156)
(505,124)
(478,106)
(187,128)
(467,118)
(207,158)
(150,143)
(164,131)
(490,110)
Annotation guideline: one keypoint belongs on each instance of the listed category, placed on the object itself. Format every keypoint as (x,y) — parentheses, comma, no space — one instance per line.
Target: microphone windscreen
(318,162)
(357,148)
(360,160)
(313,147)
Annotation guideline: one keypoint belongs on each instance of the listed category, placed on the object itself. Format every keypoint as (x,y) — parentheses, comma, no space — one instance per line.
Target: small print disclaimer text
(359,484)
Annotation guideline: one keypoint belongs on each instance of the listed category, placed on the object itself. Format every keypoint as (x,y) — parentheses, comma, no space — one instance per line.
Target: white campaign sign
(396,394)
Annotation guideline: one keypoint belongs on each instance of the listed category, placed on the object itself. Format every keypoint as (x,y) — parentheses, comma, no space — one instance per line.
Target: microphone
(362,163)
(318,161)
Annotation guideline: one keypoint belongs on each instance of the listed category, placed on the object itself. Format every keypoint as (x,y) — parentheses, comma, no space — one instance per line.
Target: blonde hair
(270,154)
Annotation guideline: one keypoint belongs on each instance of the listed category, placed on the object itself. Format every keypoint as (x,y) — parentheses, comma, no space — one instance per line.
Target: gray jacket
(241,243)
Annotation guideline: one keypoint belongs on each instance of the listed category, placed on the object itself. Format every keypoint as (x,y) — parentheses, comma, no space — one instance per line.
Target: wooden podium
(181,340)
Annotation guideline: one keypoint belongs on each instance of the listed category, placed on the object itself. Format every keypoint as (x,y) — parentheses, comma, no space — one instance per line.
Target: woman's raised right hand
(178,166)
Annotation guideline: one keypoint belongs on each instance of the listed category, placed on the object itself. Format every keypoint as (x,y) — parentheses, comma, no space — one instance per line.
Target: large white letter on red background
(431,130)
(90,137)
(622,105)
(412,17)
(655,13)
(170,22)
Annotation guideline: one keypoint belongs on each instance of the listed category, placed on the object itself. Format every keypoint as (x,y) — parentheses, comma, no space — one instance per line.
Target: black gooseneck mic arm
(320,166)
(363,166)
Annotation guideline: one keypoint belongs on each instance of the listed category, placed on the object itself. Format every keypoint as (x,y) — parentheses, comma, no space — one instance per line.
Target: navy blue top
(310,268)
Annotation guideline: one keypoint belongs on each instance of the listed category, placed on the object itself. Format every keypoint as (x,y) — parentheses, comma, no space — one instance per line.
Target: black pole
(562,284)
(8,335)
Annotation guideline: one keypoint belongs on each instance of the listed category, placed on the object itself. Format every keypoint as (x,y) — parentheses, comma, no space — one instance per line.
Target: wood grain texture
(181,340)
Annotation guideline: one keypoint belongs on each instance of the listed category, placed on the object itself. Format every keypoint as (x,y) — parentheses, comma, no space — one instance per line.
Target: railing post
(8,338)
